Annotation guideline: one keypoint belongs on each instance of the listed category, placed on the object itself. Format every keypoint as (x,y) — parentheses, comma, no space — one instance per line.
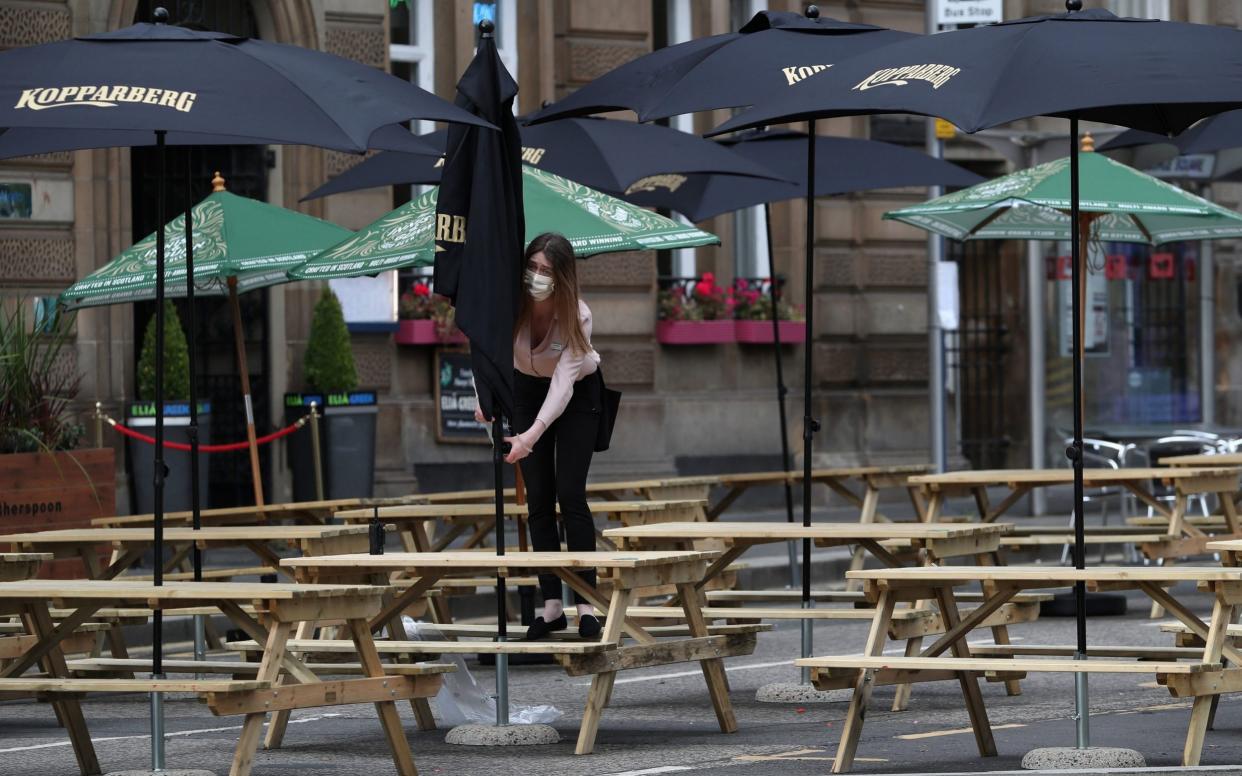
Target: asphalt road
(661,721)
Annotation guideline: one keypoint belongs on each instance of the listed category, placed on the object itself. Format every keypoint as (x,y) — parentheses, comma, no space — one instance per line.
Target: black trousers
(556,471)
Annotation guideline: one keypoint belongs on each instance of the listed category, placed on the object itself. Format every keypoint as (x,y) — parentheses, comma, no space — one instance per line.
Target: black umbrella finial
(487,28)
(1073,5)
(812,12)
(160,15)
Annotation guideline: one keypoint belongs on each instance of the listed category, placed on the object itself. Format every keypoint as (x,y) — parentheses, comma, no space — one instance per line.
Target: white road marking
(660,769)
(175,734)
(955,732)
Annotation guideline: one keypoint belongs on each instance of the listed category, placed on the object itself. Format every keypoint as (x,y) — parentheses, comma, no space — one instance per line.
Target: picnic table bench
(16,566)
(840,480)
(282,606)
(1203,676)
(631,571)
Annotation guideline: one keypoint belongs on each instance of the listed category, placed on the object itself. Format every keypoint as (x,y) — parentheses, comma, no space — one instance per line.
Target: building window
(503,15)
(1141,9)
(411,56)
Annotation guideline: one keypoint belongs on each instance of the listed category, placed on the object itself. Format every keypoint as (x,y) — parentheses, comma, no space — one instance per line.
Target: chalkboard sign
(455,400)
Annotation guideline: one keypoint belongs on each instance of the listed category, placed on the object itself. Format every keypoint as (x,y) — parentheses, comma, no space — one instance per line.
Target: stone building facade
(685,408)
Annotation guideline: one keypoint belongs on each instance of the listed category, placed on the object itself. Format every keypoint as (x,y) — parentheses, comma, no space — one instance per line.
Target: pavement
(661,721)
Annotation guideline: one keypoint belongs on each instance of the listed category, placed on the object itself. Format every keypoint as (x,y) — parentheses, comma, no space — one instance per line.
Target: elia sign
(949,12)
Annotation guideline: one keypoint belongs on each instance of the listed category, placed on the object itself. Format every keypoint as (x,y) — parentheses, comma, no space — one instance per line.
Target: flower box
(694,332)
(760,332)
(423,332)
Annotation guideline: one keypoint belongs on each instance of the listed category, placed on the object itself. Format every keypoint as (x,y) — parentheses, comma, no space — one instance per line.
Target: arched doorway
(245,170)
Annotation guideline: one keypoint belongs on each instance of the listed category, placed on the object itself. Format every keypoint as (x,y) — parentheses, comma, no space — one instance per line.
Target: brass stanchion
(314,421)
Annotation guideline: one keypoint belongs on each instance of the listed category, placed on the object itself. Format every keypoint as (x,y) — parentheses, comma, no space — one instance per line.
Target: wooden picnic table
(841,480)
(310,512)
(1183,538)
(1202,676)
(17,566)
(630,571)
(895,545)
(282,607)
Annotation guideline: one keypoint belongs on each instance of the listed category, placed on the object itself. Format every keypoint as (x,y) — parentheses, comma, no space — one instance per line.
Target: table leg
(1201,712)
(1000,633)
(269,671)
(122,559)
(919,503)
(713,669)
(901,697)
(390,720)
(852,729)
(68,711)
(1175,530)
(714,511)
(415,539)
(969,681)
(280,720)
(935,504)
(420,706)
(601,683)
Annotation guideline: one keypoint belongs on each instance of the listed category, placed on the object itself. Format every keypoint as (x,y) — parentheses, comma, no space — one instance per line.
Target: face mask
(539,287)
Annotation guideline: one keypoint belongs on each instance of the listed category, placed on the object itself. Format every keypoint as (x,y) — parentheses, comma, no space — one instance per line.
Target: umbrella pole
(200,632)
(502,615)
(1081,702)
(809,424)
(780,390)
(240,341)
(157,618)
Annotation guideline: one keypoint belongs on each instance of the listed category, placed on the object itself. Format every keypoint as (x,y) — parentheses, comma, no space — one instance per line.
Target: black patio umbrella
(480,238)
(774,53)
(606,154)
(1145,74)
(1215,133)
(158,79)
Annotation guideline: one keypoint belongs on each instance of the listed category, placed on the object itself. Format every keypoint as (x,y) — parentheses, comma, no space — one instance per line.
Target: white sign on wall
(969,11)
(367,300)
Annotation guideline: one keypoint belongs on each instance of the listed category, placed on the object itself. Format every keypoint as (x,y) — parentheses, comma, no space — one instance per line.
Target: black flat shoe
(540,629)
(589,627)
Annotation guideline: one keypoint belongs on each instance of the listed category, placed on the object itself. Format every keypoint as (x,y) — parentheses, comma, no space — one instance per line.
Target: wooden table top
(511,560)
(437,511)
(1225,545)
(117,590)
(24,557)
(264,512)
(1034,477)
(17,566)
(264,533)
(838,472)
(1216,459)
(782,531)
(1052,575)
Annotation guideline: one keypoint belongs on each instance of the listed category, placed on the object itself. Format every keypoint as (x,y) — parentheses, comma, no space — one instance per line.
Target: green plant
(36,390)
(176,359)
(329,362)
(752,303)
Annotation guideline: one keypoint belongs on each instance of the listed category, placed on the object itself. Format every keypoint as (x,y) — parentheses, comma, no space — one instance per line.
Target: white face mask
(539,287)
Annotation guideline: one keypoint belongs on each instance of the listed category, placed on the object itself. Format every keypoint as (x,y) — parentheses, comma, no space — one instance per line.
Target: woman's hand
(520,447)
(478,414)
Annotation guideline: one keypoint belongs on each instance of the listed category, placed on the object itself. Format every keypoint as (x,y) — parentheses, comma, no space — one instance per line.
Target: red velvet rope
(223,448)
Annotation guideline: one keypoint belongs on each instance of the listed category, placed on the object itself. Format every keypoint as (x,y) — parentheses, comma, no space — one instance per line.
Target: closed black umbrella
(776,52)
(607,155)
(158,79)
(1145,74)
(480,237)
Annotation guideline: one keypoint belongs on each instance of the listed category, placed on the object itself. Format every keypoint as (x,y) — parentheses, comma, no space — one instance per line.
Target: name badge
(557,346)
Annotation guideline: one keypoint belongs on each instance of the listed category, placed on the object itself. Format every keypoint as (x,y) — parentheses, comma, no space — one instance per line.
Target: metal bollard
(98,424)
(315,451)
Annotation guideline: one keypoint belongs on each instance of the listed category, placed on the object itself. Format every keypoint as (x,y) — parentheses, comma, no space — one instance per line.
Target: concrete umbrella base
(1073,758)
(794,692)
(502,735)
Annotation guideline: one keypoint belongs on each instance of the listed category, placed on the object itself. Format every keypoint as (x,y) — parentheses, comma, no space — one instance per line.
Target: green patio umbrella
(592,221)
(1120,203)
(239,244)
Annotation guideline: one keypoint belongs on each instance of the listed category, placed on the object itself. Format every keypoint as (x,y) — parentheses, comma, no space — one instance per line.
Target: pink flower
(422,289)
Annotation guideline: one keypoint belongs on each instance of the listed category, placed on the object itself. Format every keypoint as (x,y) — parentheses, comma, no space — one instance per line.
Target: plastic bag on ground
(462,700)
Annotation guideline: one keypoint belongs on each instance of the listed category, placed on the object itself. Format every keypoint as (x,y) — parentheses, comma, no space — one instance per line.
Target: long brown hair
(560,255)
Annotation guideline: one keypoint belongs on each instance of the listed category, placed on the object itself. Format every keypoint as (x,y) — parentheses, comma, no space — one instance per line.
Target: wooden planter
(694,332)
(46,491)
(424,332)
(760,332)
